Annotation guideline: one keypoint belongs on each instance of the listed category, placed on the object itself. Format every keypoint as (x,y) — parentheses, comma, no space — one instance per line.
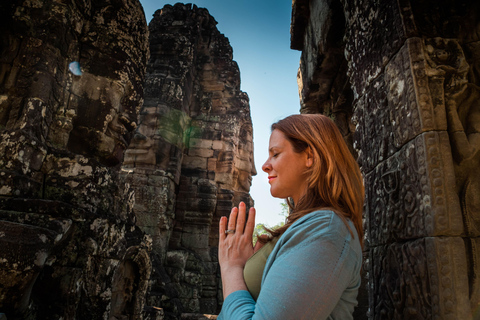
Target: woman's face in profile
(285,167)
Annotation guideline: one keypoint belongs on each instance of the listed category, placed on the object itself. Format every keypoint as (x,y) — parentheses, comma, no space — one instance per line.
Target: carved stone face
(52,200)
(104,121)
(446,58)
(107,94)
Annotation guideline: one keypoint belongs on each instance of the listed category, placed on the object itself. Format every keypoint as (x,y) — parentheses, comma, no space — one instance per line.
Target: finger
(250,225)
(221,228)
(242,208)
(232,220)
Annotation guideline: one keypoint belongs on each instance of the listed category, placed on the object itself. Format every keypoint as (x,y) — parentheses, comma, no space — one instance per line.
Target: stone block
(245,165)
(209,305)
(397,107)
(224,179)
(211,86)
(367,50)
(211,164)
(411,194)
(190,162)
(200,152)
(218,145)
(194,240)
(200,205)
(207,188)
(200,143)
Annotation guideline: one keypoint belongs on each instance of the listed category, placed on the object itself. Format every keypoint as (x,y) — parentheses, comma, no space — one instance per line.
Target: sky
(259,33)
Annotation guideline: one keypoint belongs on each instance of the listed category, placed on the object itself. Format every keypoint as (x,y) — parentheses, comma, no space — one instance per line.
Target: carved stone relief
(364,19)
(448,66)
(410,194)
(412,188)
(419,279)
(413,68)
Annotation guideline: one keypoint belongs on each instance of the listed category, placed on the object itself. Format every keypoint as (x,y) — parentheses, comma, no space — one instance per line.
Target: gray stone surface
(69,246)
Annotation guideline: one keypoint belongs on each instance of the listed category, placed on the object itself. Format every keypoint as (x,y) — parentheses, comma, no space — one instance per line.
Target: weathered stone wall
(69,247)
(191,159)
(322,77)
(412,69)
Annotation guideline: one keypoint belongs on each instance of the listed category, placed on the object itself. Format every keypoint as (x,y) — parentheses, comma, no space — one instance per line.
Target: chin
(113,156)
(276,194)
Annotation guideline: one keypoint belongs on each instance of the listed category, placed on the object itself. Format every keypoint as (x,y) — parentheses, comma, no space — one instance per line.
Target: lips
(270,178)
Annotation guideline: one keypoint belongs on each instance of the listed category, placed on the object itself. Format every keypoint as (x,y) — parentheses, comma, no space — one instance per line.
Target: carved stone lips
(129,124)
(120,130)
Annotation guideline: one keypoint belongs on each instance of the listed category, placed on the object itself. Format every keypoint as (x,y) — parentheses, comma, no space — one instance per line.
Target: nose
(266,167)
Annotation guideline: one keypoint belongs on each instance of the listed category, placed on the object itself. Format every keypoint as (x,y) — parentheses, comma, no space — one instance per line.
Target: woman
(310,267)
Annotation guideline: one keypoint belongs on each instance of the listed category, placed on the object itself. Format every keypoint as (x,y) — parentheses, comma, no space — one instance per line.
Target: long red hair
(334,179)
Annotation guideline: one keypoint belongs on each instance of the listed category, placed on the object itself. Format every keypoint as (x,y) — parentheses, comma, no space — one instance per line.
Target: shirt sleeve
(305,276)
(238,305)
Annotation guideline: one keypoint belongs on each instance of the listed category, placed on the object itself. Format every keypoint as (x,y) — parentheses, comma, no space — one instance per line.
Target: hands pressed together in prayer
(235,247)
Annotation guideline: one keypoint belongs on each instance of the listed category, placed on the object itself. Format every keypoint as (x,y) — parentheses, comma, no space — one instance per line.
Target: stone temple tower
(191,159)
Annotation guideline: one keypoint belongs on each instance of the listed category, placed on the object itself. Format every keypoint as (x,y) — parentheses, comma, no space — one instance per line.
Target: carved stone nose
(128,123)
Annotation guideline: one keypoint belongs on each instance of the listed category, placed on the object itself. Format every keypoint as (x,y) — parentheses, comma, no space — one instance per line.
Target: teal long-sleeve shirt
(312,273)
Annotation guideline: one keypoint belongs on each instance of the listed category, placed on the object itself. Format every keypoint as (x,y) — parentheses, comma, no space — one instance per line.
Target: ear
(309,152)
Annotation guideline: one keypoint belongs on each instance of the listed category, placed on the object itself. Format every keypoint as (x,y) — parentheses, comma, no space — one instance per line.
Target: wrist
(231,269)
(232,280)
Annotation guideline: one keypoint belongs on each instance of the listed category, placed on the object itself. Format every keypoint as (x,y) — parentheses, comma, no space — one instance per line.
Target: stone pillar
(191,159)
(412,68)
